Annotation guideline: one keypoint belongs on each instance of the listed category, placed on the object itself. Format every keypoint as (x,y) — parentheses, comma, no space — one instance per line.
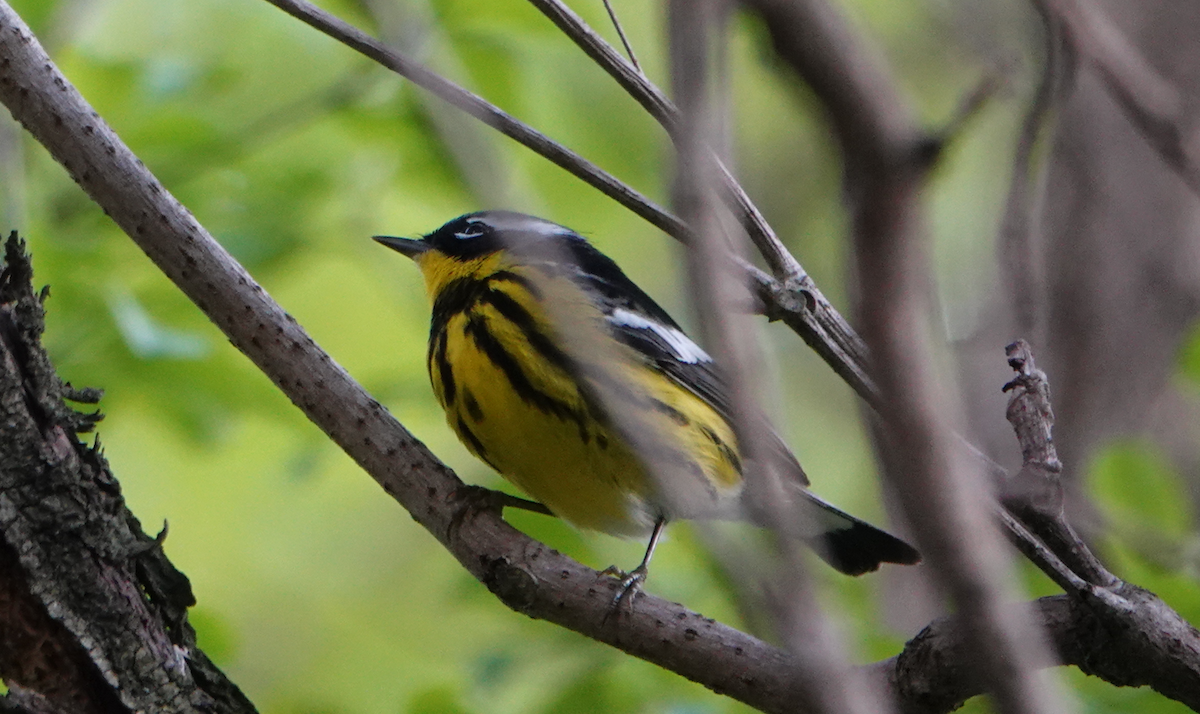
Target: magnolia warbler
(566,423)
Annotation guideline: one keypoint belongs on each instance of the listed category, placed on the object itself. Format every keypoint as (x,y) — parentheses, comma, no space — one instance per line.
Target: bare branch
(1110,629)
(1019,265)
(825,681)
(1150,101)
(782,264)
(929,676)
(488,113)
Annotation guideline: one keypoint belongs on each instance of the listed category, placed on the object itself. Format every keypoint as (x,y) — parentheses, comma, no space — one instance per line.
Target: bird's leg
(631,583)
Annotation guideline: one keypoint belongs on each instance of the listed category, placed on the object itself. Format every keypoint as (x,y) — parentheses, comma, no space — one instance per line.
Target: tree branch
(791,295)
(796,300)
(485,112)
(1117,631)
(826,683)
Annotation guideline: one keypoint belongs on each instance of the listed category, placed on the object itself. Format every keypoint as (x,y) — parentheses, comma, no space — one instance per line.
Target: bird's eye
(473,230)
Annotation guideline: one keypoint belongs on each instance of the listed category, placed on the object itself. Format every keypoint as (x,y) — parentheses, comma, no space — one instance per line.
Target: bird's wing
(642,324)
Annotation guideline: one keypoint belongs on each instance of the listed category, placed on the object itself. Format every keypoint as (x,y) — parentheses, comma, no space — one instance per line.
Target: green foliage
(317,592)
(1137,485)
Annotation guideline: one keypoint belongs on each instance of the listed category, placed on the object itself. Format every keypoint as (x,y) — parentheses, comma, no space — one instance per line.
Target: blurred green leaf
(1135,484)
(441,700)
(147,338)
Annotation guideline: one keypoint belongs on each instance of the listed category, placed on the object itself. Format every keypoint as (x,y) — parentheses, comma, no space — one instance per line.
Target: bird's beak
(407,246)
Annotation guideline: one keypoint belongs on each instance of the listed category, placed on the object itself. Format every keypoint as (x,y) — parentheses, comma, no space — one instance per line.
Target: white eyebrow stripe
(685,350)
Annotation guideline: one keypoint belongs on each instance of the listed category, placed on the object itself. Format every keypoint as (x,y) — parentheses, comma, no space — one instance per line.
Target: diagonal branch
(826,682)
(791,296)
(487,113)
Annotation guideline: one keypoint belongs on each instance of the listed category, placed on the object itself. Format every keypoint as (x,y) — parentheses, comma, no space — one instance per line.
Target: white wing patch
(683,347)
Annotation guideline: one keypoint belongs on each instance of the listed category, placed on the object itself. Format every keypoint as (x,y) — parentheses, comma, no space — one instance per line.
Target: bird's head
(481,243)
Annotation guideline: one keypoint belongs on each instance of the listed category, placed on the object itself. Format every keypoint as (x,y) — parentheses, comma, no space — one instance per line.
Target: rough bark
(93,617)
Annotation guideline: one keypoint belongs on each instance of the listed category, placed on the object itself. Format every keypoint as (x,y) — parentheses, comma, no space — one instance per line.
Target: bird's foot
(470,501)
(628,587)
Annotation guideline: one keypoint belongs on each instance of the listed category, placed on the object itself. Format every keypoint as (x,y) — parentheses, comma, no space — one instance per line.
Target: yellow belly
(526,418)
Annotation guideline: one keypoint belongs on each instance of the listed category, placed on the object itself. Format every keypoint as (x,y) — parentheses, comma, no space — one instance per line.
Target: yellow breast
(537,412)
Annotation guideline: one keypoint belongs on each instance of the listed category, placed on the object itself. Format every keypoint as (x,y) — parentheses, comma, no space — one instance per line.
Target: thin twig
(1018,256)
(486,112)
(791,296)
(780,261)
(1150,101)
(612,15)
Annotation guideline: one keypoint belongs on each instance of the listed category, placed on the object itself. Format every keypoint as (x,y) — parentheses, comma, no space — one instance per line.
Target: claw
(476,499)
(473,500)
(631,583)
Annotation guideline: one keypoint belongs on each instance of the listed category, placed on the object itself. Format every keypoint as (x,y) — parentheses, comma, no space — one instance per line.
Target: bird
(560,373)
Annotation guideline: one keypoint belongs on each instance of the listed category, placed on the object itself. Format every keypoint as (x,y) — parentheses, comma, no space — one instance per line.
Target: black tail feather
(862,548)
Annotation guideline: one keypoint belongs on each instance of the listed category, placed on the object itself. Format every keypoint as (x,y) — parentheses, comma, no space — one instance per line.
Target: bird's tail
(850,545)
